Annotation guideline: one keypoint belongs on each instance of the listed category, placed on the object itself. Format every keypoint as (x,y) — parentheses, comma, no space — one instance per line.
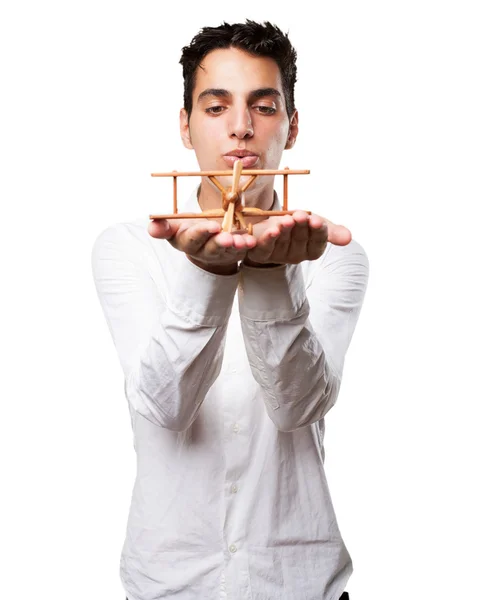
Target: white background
(388,99)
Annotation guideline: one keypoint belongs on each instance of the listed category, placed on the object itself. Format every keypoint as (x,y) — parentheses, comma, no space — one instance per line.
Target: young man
(233,347)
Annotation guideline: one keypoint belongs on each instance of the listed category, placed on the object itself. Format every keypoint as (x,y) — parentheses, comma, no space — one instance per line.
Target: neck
(258,196)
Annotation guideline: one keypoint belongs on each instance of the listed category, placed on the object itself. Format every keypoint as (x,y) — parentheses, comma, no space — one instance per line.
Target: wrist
(231,269)
(251,263)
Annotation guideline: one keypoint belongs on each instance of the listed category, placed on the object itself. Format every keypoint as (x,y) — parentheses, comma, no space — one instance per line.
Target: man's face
(238,108)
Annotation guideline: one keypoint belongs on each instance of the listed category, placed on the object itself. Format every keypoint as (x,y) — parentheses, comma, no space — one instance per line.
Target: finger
(287,221)
(239,242)
(191,239)
(224,239)
(162,229)
(261,227)
(300,231)
(266,244)
(318,238)
(315,221)
(272,232)
(244,241)
(299,237)
(339,235)
(250,240)
(283,241)
(220,245)
(229,245)
(300,217)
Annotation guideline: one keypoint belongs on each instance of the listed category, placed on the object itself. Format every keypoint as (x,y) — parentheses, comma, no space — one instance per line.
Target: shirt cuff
(202,297)
(274,294)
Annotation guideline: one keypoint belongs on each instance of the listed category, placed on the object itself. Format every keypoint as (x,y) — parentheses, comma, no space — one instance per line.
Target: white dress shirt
(228,380)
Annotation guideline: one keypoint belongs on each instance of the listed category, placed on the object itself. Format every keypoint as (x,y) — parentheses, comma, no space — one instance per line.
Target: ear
(185,129)
(293,131)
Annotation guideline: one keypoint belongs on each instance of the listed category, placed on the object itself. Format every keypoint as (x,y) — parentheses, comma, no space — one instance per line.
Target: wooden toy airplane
(233,211)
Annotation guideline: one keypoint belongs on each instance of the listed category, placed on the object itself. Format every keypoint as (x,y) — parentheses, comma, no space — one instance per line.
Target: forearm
(285,354)
(168,321)
(175,371)
(184,353)
(296,354)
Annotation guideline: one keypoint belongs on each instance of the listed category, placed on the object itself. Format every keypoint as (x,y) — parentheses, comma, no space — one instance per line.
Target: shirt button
(236,427)
(233,548)
(234,488)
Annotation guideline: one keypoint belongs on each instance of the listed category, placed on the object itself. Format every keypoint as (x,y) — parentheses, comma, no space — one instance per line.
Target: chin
(227,182)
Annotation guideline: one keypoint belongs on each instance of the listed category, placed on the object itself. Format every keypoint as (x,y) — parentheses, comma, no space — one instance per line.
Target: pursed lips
(249,159)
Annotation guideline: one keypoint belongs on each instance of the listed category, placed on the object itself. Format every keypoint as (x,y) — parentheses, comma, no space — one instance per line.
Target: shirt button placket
(234,489)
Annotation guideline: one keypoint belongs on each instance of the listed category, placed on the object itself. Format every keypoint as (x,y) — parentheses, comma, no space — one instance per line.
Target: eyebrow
(222,93)
(263,92)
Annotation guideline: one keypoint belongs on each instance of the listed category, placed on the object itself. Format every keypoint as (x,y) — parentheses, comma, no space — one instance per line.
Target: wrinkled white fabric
(228,380)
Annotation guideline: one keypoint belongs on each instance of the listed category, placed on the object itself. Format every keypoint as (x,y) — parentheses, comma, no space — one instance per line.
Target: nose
(241,125)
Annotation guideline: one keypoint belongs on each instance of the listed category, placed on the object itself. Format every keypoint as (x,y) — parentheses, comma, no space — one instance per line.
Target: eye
(266,110)
(215,110)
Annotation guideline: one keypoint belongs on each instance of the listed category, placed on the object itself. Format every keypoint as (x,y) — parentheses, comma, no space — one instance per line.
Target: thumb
(162,229)
(338,234)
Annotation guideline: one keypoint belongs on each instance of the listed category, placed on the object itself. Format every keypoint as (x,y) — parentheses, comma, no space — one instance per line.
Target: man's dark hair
(258,39)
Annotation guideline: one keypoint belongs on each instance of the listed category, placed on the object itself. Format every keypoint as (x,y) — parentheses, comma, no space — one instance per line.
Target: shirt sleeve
(169,332)
(297,338)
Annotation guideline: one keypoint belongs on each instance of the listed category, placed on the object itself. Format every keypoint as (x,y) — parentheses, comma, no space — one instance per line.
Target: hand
(290,239)
(204,243)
